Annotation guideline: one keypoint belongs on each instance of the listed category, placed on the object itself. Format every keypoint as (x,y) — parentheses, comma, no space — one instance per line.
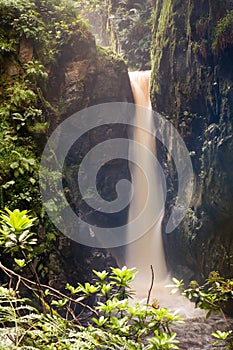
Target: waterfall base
(161,296)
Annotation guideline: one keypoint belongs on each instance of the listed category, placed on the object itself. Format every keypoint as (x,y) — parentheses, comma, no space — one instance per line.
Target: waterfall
(148,250)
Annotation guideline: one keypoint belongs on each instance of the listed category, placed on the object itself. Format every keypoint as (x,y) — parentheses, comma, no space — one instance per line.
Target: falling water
(148,250)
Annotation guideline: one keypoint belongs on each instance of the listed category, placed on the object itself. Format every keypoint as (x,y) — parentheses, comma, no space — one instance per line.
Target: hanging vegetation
(124,25)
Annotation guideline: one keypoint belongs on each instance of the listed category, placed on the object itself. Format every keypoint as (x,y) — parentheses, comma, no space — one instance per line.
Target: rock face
(193,87)
(84,76)
(87,75)
(80,75)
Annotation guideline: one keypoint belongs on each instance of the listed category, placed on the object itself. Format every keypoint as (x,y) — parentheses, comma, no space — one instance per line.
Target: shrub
(97,315)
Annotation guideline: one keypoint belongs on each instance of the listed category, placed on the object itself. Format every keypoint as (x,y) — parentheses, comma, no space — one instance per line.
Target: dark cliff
(193,87)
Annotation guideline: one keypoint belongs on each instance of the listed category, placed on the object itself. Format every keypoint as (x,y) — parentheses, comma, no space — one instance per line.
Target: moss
(107,55)
(171,30)
(161,33)
(223,34)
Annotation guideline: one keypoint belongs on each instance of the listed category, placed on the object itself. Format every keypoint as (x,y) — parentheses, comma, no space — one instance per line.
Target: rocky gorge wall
(86,76)
(51,68)
(192,85)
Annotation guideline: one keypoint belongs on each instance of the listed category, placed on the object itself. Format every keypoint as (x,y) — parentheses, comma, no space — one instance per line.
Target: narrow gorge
(171,58)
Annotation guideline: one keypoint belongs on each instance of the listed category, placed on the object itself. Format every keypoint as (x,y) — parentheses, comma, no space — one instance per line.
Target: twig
(224,317)
(18,283)
(151,285)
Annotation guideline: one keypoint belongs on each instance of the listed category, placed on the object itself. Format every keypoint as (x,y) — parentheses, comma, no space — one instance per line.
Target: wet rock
(193,88)
(195,334)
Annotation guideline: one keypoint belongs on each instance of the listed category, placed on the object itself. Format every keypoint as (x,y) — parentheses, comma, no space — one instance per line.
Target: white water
(148,250)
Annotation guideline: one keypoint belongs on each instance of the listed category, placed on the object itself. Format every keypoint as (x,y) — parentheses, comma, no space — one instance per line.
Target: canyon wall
(192,86)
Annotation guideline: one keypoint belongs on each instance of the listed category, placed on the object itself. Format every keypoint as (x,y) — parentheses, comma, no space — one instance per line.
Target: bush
(214,295)
(67,321)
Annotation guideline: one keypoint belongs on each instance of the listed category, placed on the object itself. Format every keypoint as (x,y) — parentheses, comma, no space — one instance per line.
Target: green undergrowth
(34,39)
(33,36)
(124,26)
(215,296)
(93,315)
(99,314)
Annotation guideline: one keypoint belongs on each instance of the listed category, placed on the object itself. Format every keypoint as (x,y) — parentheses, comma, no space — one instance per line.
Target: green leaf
(221,335)
(20,262)
(60,303)
(101,275)
(14,165)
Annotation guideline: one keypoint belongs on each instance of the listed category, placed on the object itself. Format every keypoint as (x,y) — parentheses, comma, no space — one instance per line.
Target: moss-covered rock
(193,86)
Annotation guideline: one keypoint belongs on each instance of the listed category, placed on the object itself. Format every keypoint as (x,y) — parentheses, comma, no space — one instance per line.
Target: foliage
(214,296)
(19,172)
(223,35)
(116,324)
(113,321)
(49,23)
(41,29)
(15,233)
(131,25)
(124,25)
(223,337)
